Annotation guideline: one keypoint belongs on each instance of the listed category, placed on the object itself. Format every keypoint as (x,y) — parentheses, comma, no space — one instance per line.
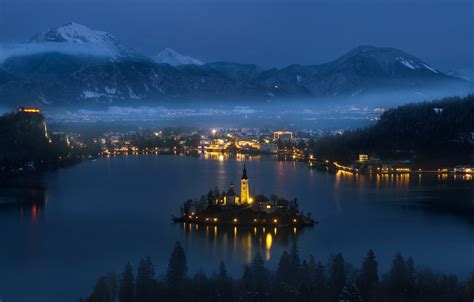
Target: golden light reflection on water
(244,242)
(268,246)
(222,156)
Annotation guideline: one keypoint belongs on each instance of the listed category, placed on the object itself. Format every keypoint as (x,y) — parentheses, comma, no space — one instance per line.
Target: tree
(177,267)
(145,280)
(350,293)
(101,292)
(411,278)
(469,287)
(258,273)
(398,277)
(317,277)
(337,274)
(368,278)
(284,268)
(295,261)
(127,285)
(224,284)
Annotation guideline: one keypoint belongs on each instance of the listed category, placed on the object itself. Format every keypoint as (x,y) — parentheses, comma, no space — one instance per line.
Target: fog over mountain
(76,65)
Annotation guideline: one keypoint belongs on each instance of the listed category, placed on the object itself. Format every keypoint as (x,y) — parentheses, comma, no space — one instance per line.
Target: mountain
(76,38)
(363,69)
(174,58)
(59,78)
(466,74)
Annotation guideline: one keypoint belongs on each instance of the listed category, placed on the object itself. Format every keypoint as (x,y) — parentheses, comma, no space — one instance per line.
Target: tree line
(295,279)
(438,132)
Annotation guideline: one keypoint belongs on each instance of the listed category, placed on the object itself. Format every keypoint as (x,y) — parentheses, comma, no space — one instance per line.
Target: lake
(92,218)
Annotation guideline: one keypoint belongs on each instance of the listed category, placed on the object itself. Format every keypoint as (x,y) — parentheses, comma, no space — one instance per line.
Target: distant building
(363,158)
(28,110)
(282,135)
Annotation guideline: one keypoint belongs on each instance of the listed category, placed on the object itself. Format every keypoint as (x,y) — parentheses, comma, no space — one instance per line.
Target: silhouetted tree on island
(294,280)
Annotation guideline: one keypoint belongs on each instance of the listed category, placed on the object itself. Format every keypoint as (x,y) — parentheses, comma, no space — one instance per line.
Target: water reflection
(242,241)
(26,195)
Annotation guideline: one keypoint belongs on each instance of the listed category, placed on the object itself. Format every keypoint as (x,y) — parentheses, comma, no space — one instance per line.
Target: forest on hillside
(295,279)
(429,133)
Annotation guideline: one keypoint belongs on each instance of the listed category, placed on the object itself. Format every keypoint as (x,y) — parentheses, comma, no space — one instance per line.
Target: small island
(229,208)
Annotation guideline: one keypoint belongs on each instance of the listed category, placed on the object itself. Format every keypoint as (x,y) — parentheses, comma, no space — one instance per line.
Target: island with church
(230,208)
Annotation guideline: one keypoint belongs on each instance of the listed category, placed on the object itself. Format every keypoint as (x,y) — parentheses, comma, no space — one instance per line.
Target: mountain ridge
(57,78)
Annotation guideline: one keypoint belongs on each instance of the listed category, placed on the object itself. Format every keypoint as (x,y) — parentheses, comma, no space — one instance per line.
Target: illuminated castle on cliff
(231,198)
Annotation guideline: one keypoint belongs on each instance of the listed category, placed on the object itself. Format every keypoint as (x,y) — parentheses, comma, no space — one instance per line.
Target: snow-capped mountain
(70,39)
(58,78)
(174,58)
(74,36)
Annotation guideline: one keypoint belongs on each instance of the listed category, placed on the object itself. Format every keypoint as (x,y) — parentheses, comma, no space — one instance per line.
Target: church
(232,198)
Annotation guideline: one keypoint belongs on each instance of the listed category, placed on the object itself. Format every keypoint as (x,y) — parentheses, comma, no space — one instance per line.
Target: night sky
(268,33)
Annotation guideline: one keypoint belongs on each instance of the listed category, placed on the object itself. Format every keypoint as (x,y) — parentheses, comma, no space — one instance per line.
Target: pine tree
(258,272)
(177,267)
(411,278)
(284,268)
(398,277)
(337,274)
(127,285)
(145,285)
(224,284)
(101,292)
(368,278)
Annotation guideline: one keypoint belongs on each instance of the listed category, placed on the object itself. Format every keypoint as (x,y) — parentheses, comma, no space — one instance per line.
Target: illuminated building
(363,158)
(282,135)
(28,110)
(231,198)
(244,188)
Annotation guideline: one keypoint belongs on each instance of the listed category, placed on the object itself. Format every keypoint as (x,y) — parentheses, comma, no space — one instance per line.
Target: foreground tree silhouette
(368,278)
(335,282)
(127,285)
(177,268)
(223,284)
(337,275)
(146,283)
(102,291)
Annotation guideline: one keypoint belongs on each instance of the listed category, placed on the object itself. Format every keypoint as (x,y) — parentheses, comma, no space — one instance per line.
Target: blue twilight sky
(265,32)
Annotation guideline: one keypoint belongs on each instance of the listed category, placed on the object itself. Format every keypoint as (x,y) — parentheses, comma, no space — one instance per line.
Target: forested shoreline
(295,279)
(433,133)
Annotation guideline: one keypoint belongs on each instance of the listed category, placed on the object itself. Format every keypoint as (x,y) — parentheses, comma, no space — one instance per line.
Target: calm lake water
(92,218)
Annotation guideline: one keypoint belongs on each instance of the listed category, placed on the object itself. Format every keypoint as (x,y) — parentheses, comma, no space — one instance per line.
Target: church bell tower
(244,188)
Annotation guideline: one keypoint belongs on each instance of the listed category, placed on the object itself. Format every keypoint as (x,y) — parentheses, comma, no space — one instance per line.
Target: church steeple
(244,187)
(244,173)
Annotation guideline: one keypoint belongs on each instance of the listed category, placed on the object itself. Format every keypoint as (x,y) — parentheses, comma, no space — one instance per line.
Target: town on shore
(443,143)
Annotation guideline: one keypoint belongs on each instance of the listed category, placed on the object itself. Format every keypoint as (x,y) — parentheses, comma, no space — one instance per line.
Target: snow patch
(430,68)
(408,63)
(174,58)
(89,94)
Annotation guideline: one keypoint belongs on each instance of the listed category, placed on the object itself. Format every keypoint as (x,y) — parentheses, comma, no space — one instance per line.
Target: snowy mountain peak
(387,56)
(75,36)
(174,58)
(73,32)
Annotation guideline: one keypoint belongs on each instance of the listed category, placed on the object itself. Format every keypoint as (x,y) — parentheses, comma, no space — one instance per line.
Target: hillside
(440,131)
(75,65)
(24,137)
